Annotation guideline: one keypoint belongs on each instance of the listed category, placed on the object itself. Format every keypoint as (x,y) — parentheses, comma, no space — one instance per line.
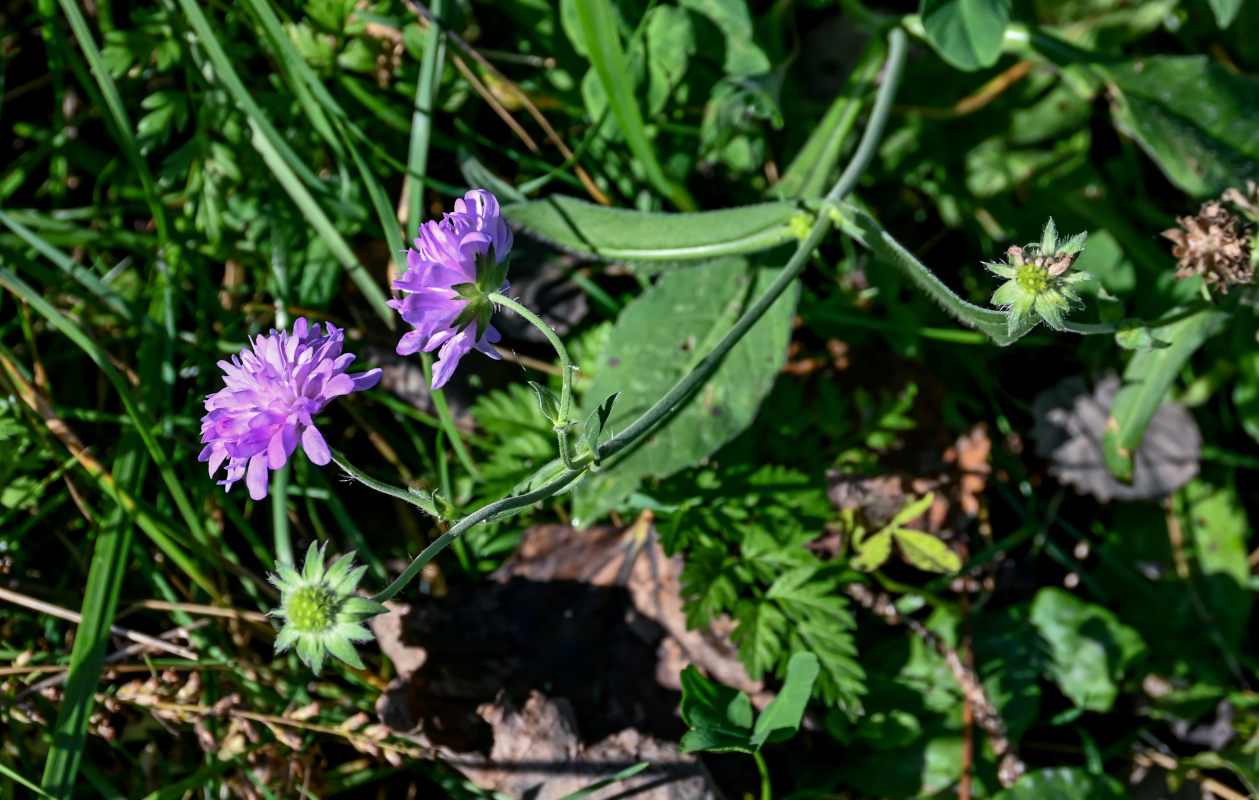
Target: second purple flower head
(272,392)
(456,264)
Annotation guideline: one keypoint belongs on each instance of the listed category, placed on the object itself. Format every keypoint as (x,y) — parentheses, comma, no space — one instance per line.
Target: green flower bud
(322,615)
(1039,279)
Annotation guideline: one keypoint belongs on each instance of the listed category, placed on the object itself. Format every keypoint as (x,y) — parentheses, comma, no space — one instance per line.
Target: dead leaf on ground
(570,656)
(537,753)
(1070,421)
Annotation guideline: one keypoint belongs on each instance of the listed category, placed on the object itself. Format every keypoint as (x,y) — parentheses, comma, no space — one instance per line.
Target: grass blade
(104,583)
(294,176)
(143,426)
(15,777)
(417,171)
(124,131)
(606,56)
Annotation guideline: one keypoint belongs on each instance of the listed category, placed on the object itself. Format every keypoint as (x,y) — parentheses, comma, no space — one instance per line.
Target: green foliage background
(181,176)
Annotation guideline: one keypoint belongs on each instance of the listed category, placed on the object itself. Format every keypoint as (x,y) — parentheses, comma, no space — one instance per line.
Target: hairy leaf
(1192,116)
(644,358)
(617,234)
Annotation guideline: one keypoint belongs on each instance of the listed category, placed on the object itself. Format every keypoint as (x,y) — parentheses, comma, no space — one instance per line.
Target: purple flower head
(274,390)
(454,265)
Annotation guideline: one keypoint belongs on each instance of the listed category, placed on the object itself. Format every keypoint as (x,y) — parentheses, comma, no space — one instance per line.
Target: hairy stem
(672,402)
(566,365)
(423,502)
(475,518)
(280,515)
(566,370)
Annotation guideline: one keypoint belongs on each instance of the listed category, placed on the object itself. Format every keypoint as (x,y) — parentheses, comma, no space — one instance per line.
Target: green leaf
(926,552)
(621,235)
(713,741)
(1134,335)
(759,635)
(966,33)
(732,18)
(644,358)
(548,403)
(912,511)
(781,718)
(1146,380)
(1063,783)
(670,42)
(720,717)
(596,422)
(1246,392)
(805,588)
(1225,11)
(1192,116)
(1091,648)
(873,551)
(1216,527)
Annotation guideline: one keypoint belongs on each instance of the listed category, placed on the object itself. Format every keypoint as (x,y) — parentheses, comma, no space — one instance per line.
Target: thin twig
(1152,757)
(552,136)
(1010,766)
(75,617)
(269,719)
(489,97)
(976,100)
(198,608)
(968,704)
(114,657)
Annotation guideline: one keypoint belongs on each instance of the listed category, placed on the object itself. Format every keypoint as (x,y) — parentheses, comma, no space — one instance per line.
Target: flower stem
(280,515)
(482,514)
(672,402)
(421,501)
(566,371)
(766,792)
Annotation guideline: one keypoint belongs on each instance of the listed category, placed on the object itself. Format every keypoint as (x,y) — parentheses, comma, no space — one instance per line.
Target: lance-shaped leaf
(616,234)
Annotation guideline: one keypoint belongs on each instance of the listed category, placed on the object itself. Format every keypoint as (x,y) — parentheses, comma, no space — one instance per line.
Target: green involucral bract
(322,615)
(1039,279)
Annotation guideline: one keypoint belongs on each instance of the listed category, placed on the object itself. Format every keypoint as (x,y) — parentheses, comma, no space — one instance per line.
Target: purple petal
(366,380)
(337,386)
(276,457)
(315,446)
(256,479)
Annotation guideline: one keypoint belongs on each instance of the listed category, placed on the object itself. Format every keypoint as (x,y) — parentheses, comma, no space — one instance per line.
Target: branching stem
(566,372)
(673,400)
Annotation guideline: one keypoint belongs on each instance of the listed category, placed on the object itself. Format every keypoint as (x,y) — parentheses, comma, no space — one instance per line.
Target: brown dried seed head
(1214,245)
(1248,202)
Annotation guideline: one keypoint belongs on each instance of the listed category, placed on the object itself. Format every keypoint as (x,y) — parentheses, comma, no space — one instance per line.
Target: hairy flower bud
(1039,279)
(322,615)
